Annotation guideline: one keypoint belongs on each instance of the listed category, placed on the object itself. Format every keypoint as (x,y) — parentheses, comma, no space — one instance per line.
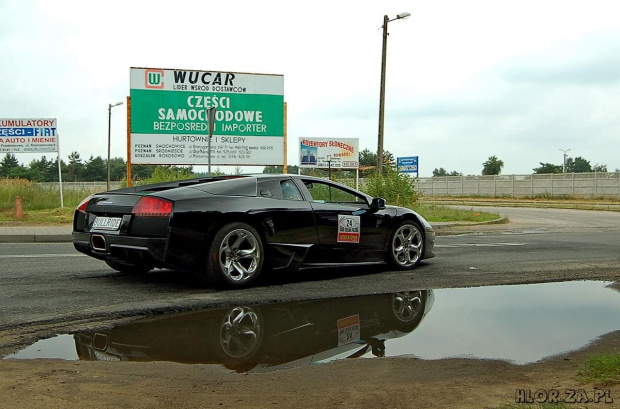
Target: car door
(348,231)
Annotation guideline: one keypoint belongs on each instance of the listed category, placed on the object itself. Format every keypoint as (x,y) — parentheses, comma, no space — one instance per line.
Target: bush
(397,189)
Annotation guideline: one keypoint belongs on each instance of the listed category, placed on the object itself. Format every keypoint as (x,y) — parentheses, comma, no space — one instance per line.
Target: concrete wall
(587,185)
(89,186)
(590,185)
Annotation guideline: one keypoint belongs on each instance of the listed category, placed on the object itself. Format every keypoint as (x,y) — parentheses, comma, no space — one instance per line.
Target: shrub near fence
(587,185)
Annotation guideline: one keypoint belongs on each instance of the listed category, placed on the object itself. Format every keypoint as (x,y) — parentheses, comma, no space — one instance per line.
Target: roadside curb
(35,238)
(36,234)
(445,228)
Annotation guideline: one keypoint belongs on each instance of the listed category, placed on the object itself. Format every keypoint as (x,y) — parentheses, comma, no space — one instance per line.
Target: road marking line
(481,245)
(40,255)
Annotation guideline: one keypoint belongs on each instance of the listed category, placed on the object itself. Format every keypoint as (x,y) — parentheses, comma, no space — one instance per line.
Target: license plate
(107,223)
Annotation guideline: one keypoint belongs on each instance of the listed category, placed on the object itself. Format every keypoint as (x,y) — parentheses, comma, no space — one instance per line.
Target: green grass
(37,197)
(35,217)
(602,369)
(438,213)
(40,205)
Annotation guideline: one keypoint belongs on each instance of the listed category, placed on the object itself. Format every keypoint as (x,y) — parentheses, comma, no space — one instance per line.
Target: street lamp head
(403,15)
(115,105)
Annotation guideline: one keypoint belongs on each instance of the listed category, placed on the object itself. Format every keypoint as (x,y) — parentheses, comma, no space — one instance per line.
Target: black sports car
(229,229)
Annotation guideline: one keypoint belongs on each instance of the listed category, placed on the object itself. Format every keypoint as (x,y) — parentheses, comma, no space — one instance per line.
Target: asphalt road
(48,288)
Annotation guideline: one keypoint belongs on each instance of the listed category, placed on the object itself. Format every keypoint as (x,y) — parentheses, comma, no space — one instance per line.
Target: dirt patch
(353,383)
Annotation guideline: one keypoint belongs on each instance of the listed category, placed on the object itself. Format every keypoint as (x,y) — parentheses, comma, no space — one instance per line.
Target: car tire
(239,339)
(405,310)
(406,246)
(236,255)
(129,268)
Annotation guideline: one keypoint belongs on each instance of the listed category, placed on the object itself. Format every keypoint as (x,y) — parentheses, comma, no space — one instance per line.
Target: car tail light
(82,206)
(152,207)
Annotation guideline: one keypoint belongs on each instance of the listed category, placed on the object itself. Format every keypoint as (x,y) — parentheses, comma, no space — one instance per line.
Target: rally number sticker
(348,229)
(348,330)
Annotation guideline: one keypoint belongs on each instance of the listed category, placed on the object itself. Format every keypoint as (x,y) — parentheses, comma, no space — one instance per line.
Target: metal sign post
(211,120)
(62,202)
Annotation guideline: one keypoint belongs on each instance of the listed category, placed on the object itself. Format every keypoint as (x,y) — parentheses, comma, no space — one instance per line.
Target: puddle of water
(521,323)
(58,347)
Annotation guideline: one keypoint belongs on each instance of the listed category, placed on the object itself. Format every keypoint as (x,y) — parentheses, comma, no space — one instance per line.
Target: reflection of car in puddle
(264,336)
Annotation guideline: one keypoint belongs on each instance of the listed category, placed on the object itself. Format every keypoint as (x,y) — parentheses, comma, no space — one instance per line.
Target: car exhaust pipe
(98,242)
(100,341)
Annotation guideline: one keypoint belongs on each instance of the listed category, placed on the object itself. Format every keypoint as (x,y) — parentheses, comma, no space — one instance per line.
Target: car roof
(205,183)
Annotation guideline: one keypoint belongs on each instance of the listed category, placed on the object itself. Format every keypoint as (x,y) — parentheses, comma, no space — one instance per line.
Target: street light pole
(564,163)
(109,123)
(386,20)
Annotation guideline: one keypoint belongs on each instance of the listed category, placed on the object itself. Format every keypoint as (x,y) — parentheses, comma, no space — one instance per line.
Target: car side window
(326,193)
(289,190)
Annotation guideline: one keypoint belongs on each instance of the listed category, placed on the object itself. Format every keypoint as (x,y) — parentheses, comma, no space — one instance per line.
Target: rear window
(245,186)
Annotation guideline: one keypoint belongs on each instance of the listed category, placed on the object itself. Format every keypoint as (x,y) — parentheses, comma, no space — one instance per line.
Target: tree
(118,169)
(41,170)
(368,162)
(443,172)
(548,168)
(293,169)
(54,166)
(74,168)
(492,166)
(579,165)
(95,169)
(368,159)
(389,161)
(599,168)
(8,164)
(140,172)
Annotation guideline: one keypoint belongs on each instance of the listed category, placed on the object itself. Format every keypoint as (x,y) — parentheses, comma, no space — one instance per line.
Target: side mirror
(378,203)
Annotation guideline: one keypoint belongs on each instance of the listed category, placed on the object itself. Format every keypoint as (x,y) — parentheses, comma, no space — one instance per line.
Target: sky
(519,80)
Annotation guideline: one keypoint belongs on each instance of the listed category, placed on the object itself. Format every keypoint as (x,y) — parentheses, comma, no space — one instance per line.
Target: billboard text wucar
(169,117)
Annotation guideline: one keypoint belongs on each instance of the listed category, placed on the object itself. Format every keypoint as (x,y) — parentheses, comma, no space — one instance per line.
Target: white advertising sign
(169,123)
(337,153)
(28,135)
